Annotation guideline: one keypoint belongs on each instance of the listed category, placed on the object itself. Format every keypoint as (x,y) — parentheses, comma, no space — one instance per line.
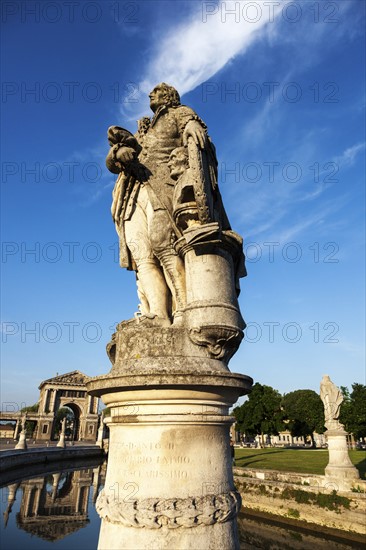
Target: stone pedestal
(61,443)
(22,443)
(340,469)
(169,480)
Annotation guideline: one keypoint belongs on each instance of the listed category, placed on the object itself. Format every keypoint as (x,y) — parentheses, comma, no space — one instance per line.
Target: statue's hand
(195,130)
(125,154)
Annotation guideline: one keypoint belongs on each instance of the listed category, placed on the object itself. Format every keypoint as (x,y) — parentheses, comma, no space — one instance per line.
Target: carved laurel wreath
(154,513)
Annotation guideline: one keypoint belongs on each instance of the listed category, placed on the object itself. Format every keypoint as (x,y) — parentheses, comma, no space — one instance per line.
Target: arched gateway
(67,390)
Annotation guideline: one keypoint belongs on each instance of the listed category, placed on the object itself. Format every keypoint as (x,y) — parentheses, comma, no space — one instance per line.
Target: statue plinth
(340,468)
(61,443)
(169,481)
(22,443)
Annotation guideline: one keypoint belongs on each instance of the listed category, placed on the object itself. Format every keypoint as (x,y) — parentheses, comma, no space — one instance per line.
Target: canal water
(54,508)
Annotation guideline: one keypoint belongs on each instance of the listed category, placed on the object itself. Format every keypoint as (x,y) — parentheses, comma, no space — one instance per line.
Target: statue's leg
(144,304)
(149,273)
(161,238)
(174,274)
(155,289)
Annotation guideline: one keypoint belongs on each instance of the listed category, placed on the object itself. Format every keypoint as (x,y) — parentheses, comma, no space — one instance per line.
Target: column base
(340,470)
(169,480)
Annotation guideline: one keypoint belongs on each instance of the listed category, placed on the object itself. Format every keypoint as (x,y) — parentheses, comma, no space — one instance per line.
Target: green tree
(345,415)
(305,413)
(30,425)
(353,410)
(262,413)
(31,408)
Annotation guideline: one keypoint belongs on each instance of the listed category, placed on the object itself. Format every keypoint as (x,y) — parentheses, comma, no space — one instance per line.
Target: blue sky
(281,88)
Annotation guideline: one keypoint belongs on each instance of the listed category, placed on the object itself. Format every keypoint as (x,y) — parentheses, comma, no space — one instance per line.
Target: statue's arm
(195,130)
(191,125)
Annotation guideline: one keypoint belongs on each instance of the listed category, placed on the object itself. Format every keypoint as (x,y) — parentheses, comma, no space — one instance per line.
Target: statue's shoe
(153,321)
(146,320)
(178,318)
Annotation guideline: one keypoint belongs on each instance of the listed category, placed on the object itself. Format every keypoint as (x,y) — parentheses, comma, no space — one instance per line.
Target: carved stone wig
(171,96)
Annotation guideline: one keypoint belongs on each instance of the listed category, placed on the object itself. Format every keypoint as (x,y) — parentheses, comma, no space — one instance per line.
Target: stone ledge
(307,482)
(263,494)
(203,380)
(10,460)
(304,480)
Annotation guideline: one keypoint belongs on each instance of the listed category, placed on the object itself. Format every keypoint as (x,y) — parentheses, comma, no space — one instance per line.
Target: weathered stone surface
(280,494)
(171,513)
(133,343)
(169,459)
(340,468)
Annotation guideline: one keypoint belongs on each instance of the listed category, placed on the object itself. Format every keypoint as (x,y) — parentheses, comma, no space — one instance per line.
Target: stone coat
(155,143)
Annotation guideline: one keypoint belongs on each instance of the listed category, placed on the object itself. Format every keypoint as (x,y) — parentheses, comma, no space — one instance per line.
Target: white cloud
(194,50)
(347,158)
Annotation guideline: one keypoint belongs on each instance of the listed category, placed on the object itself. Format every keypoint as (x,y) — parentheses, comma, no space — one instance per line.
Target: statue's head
(163,94)
(178,162)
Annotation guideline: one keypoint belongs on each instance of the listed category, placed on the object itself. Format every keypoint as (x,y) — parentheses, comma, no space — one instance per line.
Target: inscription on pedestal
(163,455)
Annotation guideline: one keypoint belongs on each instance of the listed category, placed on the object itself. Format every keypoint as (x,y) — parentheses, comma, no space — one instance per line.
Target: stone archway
(73,424)
(68,390)
(63,390)
(74,429)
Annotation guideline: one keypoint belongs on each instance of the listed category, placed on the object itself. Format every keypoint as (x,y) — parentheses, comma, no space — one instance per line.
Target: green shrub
(293,513)
(331,501)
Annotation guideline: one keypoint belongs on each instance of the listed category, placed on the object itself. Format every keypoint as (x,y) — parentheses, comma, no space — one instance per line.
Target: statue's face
(157,98)
(177,163)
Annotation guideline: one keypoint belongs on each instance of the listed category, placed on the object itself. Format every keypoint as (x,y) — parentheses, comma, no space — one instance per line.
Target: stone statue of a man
(142,205)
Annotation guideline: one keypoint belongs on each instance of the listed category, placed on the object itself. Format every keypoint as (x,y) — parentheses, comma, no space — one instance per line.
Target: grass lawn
(306,461)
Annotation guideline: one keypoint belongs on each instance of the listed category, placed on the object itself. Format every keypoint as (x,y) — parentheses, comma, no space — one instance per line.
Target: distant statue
(332,398)
(61,442)
(22,443)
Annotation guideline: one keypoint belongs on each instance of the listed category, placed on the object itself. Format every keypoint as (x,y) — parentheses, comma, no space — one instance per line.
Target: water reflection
(57,509)
(53,507)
